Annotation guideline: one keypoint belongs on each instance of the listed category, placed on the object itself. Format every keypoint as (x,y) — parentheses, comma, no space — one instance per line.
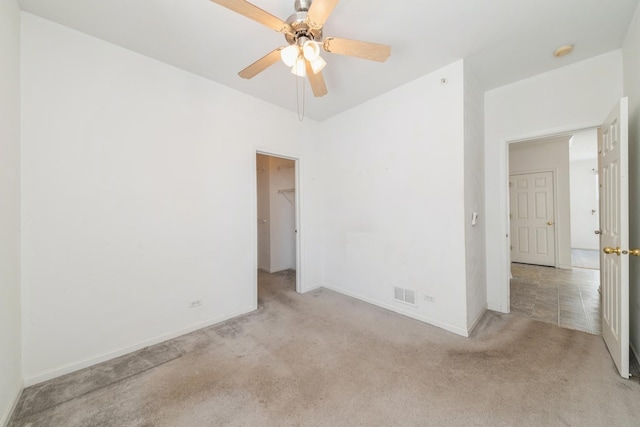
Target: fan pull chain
(298,81)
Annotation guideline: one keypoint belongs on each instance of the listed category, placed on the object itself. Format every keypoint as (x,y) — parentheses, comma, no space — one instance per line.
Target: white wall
(631,53)
(583,202)
(474,197)
(575,97)
(549,154)
(583,159)
(139,195)
(395,201)
(10,324)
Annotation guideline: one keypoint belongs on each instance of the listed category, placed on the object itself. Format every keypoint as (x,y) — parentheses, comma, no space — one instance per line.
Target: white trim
(556,213)
(76,366)
(447,327)
(553,132)
(276,270)
(477,319)
(299,241)
(4,421)
(497,309)
(503,254)
(254,226)
(313,288)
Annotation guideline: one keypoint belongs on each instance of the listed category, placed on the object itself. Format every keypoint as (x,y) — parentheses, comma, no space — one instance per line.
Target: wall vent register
(406,296)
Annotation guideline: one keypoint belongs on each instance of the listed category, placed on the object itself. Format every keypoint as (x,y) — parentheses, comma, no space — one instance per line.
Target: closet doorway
(277,201)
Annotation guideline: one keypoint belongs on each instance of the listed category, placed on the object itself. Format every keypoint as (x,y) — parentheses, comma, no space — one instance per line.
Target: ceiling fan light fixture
(300,67)
(303,32)
(317,64)
(290,54)
(311,50)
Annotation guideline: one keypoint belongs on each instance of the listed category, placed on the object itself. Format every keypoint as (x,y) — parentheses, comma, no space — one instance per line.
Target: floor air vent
(405,295)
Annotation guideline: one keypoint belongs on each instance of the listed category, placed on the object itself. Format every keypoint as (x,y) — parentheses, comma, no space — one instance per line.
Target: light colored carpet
(585,258)
(324,359)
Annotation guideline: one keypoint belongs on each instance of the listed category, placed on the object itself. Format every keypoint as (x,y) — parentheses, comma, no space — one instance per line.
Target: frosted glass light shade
(318,64)
(311,50)
(289,54)
(299,68)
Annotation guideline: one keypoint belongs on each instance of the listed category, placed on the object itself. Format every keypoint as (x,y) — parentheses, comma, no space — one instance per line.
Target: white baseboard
(495,308)
(477,319)
(76,366)
(447,327)
(276,270)
(313,288)
(4,421)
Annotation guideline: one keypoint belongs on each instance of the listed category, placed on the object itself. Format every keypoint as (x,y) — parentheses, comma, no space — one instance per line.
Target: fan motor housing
(302,5)
(298,22)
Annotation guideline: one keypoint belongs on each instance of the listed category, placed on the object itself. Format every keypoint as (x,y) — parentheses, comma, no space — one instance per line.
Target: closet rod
(286,190)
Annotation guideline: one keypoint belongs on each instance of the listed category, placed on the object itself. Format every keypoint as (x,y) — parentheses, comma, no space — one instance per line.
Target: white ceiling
(503,40)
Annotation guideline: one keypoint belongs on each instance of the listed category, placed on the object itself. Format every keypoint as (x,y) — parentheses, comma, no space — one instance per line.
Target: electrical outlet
(195,303)
(430,298)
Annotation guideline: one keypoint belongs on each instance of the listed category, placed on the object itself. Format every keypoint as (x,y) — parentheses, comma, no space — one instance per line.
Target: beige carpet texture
(324,359)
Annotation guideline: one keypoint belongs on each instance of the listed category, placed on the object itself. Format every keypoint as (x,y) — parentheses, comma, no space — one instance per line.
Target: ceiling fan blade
(261,64)
(317,82)
(254,12)
(365,50)
(319,12)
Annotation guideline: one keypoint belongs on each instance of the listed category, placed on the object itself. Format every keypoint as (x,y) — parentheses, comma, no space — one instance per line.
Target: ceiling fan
(303,33)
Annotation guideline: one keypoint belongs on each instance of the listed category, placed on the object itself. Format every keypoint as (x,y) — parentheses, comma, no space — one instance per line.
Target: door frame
(254,215)
(554,175)
(504,252)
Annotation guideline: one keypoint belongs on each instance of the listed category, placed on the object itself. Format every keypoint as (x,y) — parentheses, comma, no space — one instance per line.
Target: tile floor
(568,298)
(585,258)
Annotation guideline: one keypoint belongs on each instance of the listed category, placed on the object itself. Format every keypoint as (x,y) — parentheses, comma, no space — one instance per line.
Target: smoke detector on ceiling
(563,50)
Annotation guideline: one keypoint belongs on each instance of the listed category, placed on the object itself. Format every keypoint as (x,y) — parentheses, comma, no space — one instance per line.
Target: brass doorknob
(550,223)
(633,252)
(607,250)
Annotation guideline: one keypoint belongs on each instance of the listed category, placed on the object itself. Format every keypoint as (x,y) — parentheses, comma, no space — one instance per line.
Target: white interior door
(533,218)
(614,241)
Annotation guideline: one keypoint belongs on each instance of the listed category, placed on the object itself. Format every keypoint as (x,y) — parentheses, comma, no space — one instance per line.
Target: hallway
(568,298)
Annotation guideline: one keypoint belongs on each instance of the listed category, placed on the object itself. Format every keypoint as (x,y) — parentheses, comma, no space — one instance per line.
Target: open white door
(614,220)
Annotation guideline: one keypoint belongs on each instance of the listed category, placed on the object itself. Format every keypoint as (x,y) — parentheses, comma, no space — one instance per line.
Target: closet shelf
(286,190)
